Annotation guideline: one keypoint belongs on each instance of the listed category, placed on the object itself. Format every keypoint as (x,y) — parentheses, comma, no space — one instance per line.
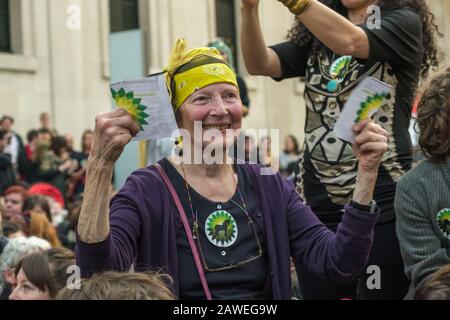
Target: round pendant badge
(221,229)
(443,220)
(338,72)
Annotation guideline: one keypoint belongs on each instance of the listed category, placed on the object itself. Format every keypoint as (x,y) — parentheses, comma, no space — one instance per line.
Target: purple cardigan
(144,220)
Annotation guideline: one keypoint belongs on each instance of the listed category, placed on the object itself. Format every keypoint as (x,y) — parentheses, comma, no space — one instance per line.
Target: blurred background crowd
(54,77)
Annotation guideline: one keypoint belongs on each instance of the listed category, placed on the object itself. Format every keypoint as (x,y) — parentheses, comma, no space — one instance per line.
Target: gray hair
(17,249)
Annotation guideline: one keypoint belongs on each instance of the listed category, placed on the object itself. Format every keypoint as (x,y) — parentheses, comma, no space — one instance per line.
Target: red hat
(46,189)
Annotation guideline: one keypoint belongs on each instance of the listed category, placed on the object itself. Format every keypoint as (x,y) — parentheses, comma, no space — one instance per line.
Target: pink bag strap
(187,228)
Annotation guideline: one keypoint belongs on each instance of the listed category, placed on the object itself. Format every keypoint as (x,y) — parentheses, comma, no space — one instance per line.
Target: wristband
(296,6)
(371,208)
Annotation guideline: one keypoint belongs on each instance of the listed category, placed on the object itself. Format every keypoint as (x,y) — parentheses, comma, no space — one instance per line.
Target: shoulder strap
(187,228)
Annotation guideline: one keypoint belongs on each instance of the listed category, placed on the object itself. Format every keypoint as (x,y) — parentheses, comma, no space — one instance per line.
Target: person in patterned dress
(393,41)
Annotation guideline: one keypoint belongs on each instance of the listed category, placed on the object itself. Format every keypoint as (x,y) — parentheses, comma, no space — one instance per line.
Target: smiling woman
(218,109)
(218,229)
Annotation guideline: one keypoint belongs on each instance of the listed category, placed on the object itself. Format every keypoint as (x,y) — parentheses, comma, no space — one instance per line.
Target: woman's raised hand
(113,131)
(371,142)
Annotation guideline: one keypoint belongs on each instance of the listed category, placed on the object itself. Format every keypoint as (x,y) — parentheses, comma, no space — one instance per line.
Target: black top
(80,157)
(328,171)
(219,247)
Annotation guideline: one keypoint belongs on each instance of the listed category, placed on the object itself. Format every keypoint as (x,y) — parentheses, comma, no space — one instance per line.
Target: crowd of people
(222,230)
(44,175)
(41,191)
(41,185)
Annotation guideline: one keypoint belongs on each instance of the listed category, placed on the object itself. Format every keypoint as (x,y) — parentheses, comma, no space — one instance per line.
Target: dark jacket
(7,175)
(3,243)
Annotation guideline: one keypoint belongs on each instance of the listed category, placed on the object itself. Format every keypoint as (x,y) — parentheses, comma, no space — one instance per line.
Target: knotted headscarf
(190,70)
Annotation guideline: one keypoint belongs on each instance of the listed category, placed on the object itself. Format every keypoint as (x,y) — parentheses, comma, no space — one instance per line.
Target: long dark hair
(296,145)
(83,138)
(304,38)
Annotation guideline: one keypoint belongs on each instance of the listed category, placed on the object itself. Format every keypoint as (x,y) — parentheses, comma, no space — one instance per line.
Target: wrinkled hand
(113,131)
(371,142)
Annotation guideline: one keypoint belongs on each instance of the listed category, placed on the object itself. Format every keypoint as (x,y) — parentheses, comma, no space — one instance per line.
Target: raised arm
(107,240)
(259,59)
(339,257)
(336,32)
(113,131)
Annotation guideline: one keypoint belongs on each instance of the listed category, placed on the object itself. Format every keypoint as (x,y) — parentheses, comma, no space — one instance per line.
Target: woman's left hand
(371,142)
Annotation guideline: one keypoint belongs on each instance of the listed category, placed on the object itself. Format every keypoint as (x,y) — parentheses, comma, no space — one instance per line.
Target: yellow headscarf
(184,83)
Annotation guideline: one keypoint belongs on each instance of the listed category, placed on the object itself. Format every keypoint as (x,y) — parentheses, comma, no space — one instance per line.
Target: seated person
(422,202)
(436,287)
(120,286)
(13,253)
(41,275)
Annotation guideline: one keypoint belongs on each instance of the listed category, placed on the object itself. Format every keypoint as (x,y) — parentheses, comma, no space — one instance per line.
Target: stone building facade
(56,58)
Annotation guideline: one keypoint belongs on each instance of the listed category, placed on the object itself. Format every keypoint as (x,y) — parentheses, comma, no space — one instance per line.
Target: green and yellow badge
(443,220)
(221,229)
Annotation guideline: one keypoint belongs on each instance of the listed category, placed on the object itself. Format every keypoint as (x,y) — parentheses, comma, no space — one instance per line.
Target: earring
(179,141)
(179,146)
